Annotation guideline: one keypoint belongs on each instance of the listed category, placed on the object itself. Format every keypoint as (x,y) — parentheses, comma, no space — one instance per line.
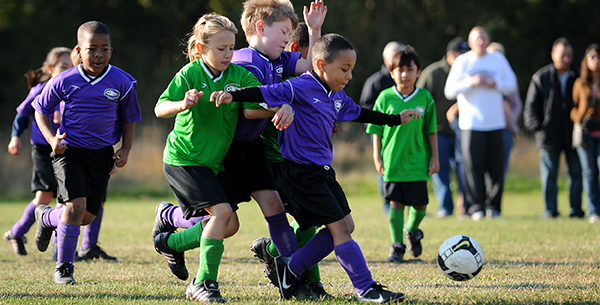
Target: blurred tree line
(148,36)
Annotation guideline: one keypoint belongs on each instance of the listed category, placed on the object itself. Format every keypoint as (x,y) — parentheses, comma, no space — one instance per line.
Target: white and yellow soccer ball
(460,258)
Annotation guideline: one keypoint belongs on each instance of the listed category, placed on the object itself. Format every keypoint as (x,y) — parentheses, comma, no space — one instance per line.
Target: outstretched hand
(315,17)
(408,115)
(221,97)
(191,99)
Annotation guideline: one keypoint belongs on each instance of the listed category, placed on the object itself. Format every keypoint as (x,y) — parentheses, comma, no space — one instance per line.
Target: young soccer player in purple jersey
(96,96)
(43,183)
(306,176)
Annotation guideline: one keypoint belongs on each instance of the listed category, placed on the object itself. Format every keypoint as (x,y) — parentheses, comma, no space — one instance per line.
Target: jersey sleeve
(430,124)
(50,97)
(278,94)
(129,106)
(176,89)
(290,59)
(378,106)
(250,80)
(349,111)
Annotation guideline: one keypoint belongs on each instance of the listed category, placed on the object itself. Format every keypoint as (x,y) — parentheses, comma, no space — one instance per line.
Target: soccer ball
(460,258)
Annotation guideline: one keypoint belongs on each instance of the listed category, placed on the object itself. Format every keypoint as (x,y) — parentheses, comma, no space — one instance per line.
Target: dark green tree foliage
(149,35)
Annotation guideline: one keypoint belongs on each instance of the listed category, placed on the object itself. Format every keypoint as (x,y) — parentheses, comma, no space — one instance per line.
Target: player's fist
(190,99)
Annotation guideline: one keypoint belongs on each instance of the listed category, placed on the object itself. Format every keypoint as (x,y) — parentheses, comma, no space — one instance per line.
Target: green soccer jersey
(405,149)
(202,134)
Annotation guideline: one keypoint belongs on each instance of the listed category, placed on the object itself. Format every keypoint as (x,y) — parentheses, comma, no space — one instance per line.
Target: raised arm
(314,19)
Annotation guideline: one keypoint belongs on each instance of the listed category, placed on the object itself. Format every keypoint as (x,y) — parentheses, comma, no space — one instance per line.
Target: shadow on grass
(94,298)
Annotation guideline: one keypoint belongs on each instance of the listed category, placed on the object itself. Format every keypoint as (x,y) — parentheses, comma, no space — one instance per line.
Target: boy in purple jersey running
(43,183)
(267,25)
(83,154)
(306,176)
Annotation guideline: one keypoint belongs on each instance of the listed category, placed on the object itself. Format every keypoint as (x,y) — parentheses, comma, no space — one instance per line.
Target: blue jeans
(590,161)
(441,180)
(508,144)
(549,165)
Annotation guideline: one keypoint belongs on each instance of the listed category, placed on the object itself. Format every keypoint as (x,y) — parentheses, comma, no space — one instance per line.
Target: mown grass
(527,260)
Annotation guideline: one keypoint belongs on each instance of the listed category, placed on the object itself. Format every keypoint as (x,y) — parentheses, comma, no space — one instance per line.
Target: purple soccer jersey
(316,110)
(25,109)
(268,72)
(93,107)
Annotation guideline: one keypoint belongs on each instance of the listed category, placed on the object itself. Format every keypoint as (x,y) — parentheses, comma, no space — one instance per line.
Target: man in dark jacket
(547,108)
(433,79)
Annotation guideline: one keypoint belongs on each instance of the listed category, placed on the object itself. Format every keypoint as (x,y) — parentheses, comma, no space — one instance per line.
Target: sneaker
(443,213)
(94,252)
(397,253)
(378,294)
(63,274)
(319,291)
(17,243)
(175,259)
(492,214)
(287,280)
(207,292)
(43,232)
(594,218)
(161,225)
(477,216)
(579,214)
(413,242)
(260,248)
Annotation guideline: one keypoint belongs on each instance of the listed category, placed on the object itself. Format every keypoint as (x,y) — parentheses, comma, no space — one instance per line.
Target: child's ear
(419,73)
(260,27)
(199,48)
(294,47)
(321,65)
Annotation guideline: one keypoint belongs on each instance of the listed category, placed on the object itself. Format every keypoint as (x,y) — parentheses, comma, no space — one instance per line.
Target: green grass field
(527,260)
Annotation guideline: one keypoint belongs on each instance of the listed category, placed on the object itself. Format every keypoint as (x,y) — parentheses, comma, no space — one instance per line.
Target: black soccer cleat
(288,281)
(260,248)
(63,274)
(397,251)
(17,243)
(413,242)
(94,253)
(43,232)
(176,260)
(319,291)
(378,294)
(161,225)
(207,292)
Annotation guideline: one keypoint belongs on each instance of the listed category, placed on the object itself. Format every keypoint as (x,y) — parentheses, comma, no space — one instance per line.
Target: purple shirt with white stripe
(26,109)
(316,110)
(94,107)
(268,72)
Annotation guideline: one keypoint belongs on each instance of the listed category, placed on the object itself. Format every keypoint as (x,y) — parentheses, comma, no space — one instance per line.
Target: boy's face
(218,52)
(95,51)
(338,73)
(406,76)
(274,37)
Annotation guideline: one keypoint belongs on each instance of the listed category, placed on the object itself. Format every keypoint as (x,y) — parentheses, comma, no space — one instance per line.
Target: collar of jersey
(209,73)
(94,80)
(261,54)
(407,97)
(323,85)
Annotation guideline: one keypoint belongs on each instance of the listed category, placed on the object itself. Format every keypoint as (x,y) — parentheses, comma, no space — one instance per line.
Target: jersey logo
(420,110)
(203,86)
(338,105)
(231,87)
(316,100)
(75,87)
(279,70)
(112,94)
